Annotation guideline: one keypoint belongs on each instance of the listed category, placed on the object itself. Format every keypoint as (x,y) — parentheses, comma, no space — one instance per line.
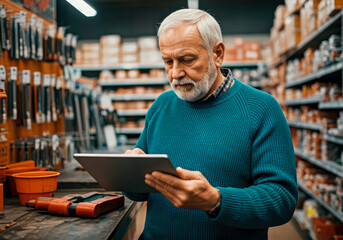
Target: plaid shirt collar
(226,84)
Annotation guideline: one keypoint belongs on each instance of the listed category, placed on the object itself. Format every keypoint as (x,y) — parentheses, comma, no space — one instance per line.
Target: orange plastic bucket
(31,185)
(10,180)
(28,163)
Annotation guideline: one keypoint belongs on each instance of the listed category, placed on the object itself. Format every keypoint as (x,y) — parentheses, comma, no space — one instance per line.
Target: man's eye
(168,62)
(187,60)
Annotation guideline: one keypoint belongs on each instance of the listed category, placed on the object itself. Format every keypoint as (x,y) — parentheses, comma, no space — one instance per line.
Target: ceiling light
(193,4)
(83,7)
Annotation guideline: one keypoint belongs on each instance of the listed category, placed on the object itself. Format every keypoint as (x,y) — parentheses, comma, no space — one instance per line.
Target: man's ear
(218,54)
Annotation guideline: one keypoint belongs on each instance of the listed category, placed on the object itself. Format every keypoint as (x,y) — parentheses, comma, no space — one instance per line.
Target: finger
(187,174)
(165,178)
(128,151)
(137,151)
(168,191)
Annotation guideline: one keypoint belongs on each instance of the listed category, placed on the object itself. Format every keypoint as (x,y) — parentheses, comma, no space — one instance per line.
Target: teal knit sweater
(241,143)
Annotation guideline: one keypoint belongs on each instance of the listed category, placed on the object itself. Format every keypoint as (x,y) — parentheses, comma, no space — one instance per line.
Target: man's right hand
(134,151)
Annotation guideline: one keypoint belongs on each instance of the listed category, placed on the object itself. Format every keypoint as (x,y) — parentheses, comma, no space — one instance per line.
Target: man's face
(191,72)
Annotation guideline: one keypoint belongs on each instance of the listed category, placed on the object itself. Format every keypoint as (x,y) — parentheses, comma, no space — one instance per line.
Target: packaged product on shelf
(140,90)
(133,73)
(120,74)
(292,30)
(157,73)
(335,47)
(251,51)
(91,53)
(141,104)
(334,6)
(79,57)
(279,16)
(120,105)
(129,52)
(106,75)
(323,13)
(291,5)
(109,49)
(148,50)
(326,227)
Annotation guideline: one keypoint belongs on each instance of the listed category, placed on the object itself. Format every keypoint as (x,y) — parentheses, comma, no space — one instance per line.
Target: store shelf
(299,217)
(330,209)
(322,73)
(122,66)
(304,101)
(333,139)
(329,166)
(133,82)
(134,97)
(241,64)
(132,113)
(305,125)
(128,131)
(333,25)
(131,66)
(331,105)
(256,85)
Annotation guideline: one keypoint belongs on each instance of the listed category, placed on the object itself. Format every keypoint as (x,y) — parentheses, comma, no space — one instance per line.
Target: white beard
(199,89)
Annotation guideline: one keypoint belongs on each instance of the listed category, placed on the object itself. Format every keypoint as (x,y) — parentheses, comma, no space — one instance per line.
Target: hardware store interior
(182,119)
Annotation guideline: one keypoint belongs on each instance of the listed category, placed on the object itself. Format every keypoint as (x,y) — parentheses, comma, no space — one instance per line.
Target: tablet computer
(124,172)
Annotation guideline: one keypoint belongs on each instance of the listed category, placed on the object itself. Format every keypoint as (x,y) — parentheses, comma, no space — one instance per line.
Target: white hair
(208,27)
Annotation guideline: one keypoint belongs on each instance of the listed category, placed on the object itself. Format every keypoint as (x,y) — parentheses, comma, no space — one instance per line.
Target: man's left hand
(190,190)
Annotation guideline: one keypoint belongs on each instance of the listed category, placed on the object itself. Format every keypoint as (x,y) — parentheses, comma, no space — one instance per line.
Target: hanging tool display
(52,95)
(12,93)
(5,40)
(26,87)
(90,205)
(37,96)
(3,110)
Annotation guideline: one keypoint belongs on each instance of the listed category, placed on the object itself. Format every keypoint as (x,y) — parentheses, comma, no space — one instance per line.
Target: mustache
(183,81)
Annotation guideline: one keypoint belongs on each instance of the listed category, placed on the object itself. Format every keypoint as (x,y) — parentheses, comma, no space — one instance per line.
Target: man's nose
(178,71)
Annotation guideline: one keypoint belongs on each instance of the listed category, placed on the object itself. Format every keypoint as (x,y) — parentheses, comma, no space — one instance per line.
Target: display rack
(330,209)
(305,125)
(114,84)
(330,73)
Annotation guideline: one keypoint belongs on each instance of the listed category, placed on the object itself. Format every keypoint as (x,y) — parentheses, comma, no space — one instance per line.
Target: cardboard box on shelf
(129,52)
(110,41)
(334,6)
(279,16)
(90,53)
(292,30)
(291,5)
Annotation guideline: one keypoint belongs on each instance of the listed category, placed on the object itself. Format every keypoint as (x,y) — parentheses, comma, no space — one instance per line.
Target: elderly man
(236,174)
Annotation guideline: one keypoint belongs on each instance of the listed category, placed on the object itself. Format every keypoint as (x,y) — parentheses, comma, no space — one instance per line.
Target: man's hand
(134,151)
(190,190)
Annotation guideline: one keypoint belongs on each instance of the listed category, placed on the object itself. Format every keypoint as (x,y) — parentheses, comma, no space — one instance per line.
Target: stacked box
(279,16)
(292,30)
(251,51)
(109,49)
(148,51)
(129,52)
(334,6)
(90,53)
(322,13)
(291,5)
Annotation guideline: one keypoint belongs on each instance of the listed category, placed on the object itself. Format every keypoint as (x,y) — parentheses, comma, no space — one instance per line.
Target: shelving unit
(330,209)
(331,73)
(304,101)
(305,125)
(324,73)
(114,84)
(329,166)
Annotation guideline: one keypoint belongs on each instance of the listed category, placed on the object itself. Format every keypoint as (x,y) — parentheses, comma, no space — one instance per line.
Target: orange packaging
(251,51)
(312,23)
(280,13)
(334,6)
(1,196)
